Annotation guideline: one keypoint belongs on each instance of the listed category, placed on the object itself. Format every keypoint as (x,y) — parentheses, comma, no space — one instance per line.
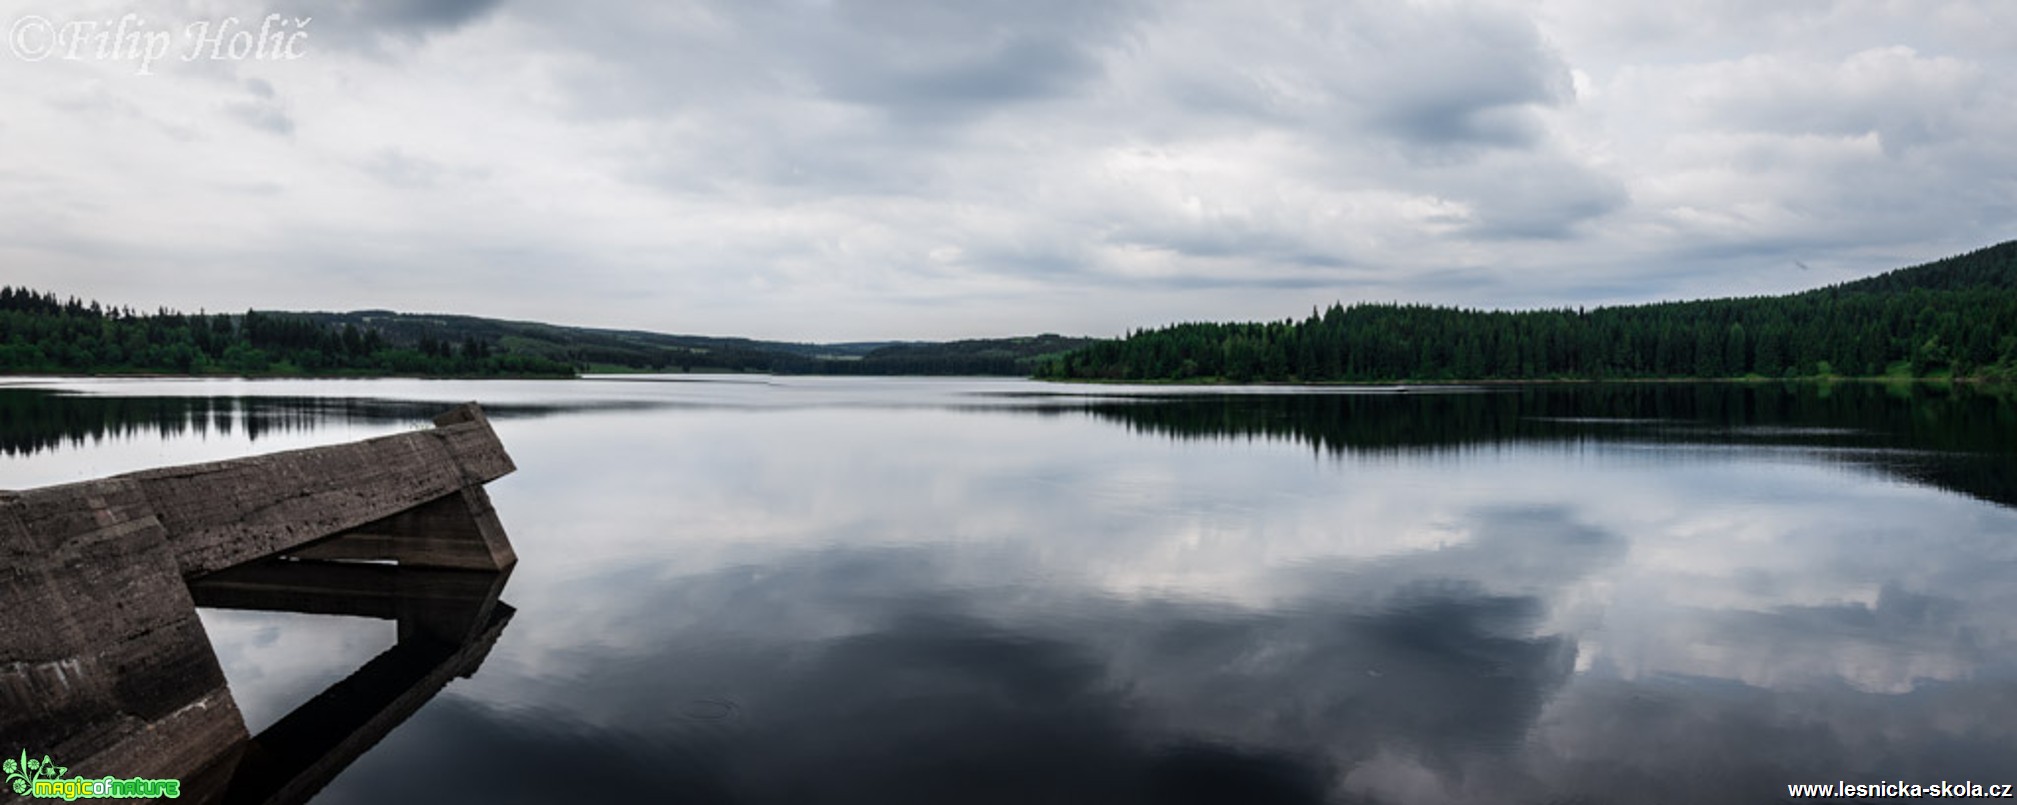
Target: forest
(42,334)
(1952,318)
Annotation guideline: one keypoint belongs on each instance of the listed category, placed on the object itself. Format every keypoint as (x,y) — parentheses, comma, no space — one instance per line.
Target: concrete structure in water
(105,667)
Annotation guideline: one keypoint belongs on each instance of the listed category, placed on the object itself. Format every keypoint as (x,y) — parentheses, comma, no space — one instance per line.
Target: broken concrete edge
(453,427)
(221,514)
(464,419)
(459,530)
(466,412)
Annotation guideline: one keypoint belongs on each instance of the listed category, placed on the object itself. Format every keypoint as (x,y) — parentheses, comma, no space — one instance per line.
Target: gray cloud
(1435,80)
(401,170)
(1466,78)
(425,13)
(1535,202)
(365,20)
(918,59)
(1903,98)
(265,111)
(846,169)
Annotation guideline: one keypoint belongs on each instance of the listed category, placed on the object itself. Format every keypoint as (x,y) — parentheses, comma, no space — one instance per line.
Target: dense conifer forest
(1955,318)
(1951,318)
(41,334)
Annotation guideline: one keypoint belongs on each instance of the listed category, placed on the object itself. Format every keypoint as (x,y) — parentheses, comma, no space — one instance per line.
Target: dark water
(892,591)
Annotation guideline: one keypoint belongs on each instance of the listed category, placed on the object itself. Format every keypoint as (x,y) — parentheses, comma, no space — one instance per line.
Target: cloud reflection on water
(841,599)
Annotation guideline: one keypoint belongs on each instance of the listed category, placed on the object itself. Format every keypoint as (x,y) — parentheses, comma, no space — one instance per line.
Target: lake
(747,589)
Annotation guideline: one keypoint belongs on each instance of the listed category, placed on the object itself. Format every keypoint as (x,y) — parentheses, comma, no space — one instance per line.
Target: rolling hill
(1955,317)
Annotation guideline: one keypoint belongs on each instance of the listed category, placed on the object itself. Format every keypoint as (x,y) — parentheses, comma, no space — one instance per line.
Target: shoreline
(179,376)
(1973,380)
(1808,379)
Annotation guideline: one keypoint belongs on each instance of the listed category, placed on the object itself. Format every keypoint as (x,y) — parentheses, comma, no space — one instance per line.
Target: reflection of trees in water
(1972,433)
(1890,428)
(33,420)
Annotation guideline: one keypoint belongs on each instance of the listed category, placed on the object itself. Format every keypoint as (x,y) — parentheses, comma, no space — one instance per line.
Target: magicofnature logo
(43,779)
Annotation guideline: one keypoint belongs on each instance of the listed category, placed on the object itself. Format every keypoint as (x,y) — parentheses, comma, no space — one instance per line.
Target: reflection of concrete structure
(104,665)
(448,620)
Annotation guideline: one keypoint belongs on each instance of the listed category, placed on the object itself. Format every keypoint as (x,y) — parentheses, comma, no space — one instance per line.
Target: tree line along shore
(1954,318)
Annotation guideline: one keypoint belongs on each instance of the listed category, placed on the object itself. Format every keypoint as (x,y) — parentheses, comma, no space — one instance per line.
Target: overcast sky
(872,169)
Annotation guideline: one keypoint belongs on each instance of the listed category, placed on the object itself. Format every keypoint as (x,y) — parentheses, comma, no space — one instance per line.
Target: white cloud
(852,169)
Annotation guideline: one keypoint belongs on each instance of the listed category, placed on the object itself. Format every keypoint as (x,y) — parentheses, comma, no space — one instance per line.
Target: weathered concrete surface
(103,662)
(230,512)
(459,530)
(444,606)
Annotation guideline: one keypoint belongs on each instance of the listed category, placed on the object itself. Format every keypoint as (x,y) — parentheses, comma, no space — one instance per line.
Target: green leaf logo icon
(17,772)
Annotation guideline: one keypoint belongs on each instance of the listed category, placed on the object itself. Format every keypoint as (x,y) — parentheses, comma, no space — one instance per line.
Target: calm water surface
(817,590)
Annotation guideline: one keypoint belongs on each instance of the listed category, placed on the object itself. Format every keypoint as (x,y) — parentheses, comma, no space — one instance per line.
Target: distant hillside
(40,333)
(986,356)
(1992,268)
(590,348)
(587,346)
(1953,317)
